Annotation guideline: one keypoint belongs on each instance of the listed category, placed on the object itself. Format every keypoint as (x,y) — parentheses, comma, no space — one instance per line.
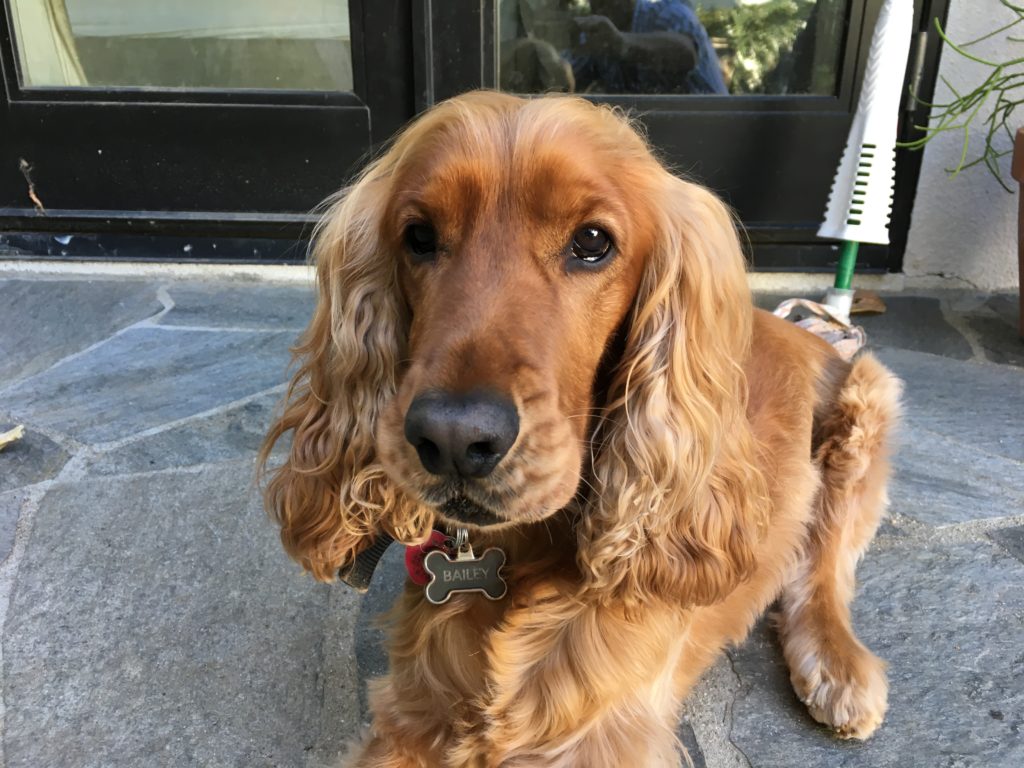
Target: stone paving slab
(1011,539)
(977,404)
(155,622)
(46,320)
(909,322)
(938,480)
(11,504)
(146,377)
(370,641)
(31,459)
(234,305)
(234,433)
(949,620)
(1001,343)
(155,619)
(341,722)
(917,323)
(996,324)
(1005,306)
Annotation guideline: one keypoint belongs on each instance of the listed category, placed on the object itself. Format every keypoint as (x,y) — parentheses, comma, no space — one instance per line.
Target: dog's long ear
(331,495)
(678,501)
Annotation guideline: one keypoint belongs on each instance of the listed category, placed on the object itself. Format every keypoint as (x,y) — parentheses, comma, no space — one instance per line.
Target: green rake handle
(847,262)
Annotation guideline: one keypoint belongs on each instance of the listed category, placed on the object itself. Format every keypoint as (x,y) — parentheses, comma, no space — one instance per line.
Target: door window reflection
(710,47)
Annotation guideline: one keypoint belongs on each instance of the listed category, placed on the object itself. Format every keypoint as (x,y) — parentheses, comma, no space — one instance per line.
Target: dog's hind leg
(842,682)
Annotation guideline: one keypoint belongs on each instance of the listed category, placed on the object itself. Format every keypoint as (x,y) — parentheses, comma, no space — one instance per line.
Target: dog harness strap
(358,574)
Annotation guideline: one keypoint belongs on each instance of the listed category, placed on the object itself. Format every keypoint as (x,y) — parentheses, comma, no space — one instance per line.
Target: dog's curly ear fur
(678,503)
(331,496)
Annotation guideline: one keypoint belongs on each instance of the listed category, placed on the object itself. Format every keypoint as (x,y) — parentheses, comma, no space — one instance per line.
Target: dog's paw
(848,694)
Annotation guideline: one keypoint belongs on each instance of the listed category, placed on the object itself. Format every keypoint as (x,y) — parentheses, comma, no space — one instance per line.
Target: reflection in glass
(671,46)
(300,44)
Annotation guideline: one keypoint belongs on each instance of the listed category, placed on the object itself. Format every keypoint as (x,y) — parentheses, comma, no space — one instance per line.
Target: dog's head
(471,284)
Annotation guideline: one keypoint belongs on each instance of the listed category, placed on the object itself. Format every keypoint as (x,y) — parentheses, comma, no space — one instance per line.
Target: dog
(530,333)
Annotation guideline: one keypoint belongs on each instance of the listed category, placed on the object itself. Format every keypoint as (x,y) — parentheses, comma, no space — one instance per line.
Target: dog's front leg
(383,752)
(413,725)
(572,684)
(430,699)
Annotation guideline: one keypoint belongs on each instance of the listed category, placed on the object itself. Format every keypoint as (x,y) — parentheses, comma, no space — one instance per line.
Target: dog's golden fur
(682,461)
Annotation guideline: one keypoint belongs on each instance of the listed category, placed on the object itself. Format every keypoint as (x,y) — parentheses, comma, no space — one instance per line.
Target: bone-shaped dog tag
(465,573)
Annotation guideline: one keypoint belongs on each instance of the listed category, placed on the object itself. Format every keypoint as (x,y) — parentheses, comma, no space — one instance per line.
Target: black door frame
(407,54)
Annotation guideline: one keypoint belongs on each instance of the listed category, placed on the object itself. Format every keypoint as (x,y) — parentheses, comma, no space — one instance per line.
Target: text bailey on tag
(464,574)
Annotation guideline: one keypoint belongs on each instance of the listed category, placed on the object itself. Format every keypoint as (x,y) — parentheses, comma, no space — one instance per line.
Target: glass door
(753,98)
(209,117)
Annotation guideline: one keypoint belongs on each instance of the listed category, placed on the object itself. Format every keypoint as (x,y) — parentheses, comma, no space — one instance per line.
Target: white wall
(965,229)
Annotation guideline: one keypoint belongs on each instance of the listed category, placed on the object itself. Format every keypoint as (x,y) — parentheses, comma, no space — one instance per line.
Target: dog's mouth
(453,504)
(463,510)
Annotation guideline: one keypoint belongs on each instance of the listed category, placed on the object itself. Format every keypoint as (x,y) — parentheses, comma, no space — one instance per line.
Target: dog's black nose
(463,435)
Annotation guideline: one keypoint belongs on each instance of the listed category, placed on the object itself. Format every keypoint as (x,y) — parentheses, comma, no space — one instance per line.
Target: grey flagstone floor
(150,617)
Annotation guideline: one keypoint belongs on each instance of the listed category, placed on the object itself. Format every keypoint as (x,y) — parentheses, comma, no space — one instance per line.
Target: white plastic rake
(860,203)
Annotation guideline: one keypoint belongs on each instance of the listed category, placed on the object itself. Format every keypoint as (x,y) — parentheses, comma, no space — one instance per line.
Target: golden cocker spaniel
(528,329)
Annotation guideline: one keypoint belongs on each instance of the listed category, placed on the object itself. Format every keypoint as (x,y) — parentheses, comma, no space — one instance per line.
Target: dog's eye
(421,240)
(591,244)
